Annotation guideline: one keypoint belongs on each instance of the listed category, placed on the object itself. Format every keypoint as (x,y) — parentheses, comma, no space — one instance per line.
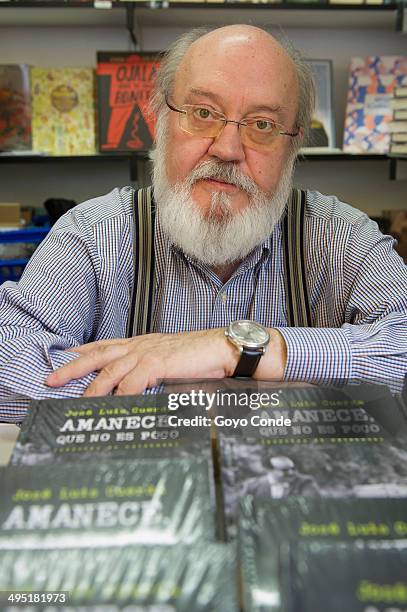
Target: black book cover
(348,442)
(199,578)
(85,429)
(272,530)
(124,83)
(118,502)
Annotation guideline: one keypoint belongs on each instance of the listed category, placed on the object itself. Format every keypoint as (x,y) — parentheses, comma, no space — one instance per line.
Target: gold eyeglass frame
(225,122)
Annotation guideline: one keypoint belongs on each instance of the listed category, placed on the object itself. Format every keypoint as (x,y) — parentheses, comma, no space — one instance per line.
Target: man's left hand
(129,366)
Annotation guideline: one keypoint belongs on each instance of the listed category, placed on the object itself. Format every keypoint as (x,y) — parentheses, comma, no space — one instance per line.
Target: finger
(85,364)
(137,380)
(84,349)
(110,376)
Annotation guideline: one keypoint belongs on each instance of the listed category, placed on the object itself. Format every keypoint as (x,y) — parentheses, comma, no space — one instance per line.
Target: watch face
(249,333)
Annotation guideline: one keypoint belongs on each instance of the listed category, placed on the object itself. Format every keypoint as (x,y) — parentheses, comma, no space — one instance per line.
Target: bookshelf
(68,33)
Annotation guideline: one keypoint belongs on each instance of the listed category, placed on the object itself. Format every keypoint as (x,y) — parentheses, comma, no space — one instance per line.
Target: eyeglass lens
(196,121)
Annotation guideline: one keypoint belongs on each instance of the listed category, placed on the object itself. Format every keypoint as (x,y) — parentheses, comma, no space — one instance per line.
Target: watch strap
(248,362)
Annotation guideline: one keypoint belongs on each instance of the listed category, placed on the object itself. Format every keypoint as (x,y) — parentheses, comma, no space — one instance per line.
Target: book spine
(398,137)
(398,149)
(399,103)
(400,92)
(397,126)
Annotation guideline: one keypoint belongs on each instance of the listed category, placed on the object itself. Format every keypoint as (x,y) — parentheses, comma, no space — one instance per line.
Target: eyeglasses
(257,133)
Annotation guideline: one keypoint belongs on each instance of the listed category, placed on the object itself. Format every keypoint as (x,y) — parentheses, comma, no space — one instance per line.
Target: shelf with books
(187,14)
(156,25)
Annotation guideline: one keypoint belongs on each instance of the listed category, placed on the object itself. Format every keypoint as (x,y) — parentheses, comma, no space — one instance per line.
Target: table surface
(8,436)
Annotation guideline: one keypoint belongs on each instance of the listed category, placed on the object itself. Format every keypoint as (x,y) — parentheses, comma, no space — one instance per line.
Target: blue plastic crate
(11,269)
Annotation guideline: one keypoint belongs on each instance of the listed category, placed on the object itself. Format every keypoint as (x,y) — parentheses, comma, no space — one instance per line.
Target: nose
(227,146)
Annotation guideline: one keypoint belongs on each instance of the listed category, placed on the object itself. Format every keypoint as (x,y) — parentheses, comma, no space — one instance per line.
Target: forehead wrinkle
(194,91)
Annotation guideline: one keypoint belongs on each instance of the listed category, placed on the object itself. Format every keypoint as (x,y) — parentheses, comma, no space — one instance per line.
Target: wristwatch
(251,339)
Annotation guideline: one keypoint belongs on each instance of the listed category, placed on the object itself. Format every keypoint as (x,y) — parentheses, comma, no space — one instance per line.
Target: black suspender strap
(139,321)
(298,308)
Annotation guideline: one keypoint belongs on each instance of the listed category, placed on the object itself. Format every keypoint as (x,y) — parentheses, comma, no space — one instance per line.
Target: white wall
(363,184)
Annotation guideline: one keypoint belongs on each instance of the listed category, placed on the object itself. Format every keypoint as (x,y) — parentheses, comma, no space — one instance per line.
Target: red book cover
(15,108)
(125,82)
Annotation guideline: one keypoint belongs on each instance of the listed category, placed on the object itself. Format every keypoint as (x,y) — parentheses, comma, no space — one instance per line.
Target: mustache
(228,172)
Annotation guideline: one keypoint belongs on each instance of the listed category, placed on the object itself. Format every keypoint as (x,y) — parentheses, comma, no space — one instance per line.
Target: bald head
(231,52)
(240,34)
(256,43)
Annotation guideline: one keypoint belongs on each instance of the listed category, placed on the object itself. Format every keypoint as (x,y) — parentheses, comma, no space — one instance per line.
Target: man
(280,479)
(233,108)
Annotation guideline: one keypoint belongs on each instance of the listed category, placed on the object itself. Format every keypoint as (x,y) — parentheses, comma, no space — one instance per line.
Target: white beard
(222,236)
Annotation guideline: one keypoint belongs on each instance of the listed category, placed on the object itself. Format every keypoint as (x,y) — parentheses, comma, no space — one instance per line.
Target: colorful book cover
(196,578)
(368,112)
(63,102)
(276,537)
(106,503)
(15,108)
(348,442)
(125,82)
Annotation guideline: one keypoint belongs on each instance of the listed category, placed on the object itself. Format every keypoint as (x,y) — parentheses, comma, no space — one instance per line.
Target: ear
(301,133)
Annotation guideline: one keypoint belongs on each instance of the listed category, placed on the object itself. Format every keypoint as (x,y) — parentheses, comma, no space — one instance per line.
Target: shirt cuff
(317,355)
(56,356)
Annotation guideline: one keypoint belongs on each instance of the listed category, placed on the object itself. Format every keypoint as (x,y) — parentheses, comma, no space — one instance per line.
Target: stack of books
(109,501)
(290,500)
(398,126)
(310,554)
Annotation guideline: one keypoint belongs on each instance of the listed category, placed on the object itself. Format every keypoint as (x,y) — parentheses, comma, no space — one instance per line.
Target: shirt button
(224,297)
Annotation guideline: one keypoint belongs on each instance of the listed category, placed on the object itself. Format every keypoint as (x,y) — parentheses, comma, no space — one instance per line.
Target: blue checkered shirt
(77,286)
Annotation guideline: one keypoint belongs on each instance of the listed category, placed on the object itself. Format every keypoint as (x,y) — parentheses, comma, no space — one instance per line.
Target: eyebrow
(278,109)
